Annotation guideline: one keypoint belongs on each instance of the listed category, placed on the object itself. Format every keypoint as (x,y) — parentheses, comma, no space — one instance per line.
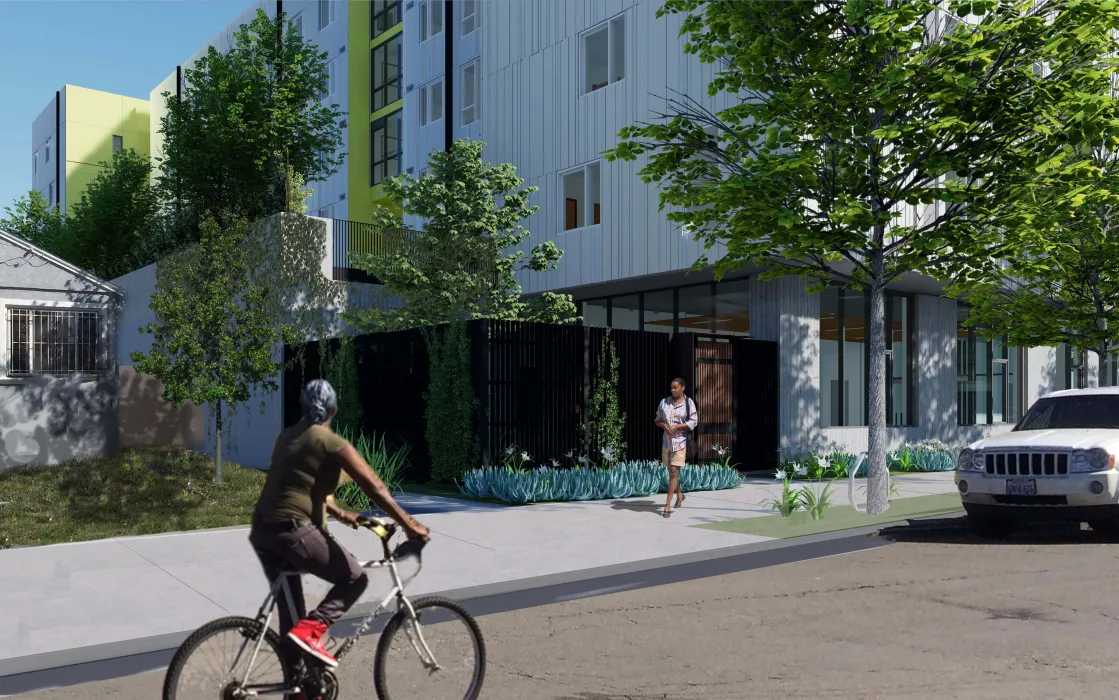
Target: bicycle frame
(281,585)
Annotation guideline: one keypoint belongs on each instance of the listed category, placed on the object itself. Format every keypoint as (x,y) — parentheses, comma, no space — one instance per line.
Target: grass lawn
(137,492)
(841,518)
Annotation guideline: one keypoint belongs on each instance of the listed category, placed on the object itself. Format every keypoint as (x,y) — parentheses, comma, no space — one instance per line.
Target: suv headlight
(967,459)
(1093,460)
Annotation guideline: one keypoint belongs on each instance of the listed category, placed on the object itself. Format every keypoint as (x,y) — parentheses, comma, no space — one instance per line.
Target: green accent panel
(387,109)
(839,517)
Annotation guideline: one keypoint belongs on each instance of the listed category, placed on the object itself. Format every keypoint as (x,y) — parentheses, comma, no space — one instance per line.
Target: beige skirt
(673,458)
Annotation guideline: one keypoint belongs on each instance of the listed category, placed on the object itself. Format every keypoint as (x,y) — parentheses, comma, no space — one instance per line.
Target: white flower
(608,454)
(583,459)
(555,463)
(802,471)
(525,457)
(509,450)
(570,454)
(779,474)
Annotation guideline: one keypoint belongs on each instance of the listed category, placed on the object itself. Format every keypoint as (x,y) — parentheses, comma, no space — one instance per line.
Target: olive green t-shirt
(304,470)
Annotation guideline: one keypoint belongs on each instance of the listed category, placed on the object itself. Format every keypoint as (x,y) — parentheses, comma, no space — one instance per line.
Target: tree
(870,138)
(35,220)
(115,227)
(457,268)
(214,335)
(249,122)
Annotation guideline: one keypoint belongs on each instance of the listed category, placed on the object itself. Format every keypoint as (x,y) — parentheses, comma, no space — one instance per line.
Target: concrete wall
(47,419)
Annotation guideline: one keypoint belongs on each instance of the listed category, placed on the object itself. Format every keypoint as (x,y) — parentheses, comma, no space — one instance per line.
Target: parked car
(1057,464)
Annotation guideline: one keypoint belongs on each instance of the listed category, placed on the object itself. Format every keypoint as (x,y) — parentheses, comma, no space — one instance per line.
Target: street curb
(168,643)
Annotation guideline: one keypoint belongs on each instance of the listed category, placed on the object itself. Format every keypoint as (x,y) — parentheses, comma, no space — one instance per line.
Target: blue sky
(121,46)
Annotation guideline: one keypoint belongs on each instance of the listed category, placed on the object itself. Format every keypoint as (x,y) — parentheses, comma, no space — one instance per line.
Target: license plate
(1021,487)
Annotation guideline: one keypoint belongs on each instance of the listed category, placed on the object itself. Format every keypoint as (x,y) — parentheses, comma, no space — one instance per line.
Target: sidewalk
(73,596)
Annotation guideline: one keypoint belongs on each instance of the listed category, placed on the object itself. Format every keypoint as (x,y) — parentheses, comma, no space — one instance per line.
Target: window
(328,89)
(50,193)
(625,312)
(431,19)
(695,310)
(604,52)
(118,143)
(987,376)
(297,25)
(732,307)
(386,15)
(48,158)
(51,341)
(658,311)
(35,165)
(385,138)
(580,187)
(327,13)
(431,102)
(386,73)
(471,83)
(327,212)
(1070,368)
(469,16)
(595,313)
(1100,412)
(842,357)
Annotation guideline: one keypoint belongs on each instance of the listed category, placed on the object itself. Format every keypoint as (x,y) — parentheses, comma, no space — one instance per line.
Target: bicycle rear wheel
(455,641)
(212,662)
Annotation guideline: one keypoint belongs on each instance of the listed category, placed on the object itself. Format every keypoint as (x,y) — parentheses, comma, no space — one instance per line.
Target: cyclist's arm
(371,484)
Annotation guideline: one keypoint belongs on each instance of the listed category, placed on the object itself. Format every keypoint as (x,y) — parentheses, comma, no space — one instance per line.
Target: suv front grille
(1027,463)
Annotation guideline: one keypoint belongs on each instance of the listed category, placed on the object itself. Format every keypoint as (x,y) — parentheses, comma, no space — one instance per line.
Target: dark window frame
(967,411)
(389,16)
(380,84)
(608,300)
(382,126)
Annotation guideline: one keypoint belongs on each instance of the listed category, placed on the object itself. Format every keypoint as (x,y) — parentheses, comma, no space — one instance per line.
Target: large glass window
(385,145)
(595,313)
(385,72)
(845,363)
(385,16)
(659,311)
(1070,368)
(695,311)
(987,376)
(732,307)
(625,312)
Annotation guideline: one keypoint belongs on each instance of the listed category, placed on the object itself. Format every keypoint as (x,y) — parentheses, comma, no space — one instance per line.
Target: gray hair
(317,399)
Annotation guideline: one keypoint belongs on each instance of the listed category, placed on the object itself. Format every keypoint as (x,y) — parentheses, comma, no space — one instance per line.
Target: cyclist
(289,521)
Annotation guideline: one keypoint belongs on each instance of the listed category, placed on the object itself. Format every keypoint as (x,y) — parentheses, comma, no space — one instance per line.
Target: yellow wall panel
(78,177)
(93,107)
(87,143)
(357,157)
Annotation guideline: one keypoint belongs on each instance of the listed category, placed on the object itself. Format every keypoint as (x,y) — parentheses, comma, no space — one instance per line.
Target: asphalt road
(937,613)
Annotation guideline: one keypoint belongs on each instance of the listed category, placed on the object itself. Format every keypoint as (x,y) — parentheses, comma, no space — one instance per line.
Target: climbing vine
(605,424)
(451,406)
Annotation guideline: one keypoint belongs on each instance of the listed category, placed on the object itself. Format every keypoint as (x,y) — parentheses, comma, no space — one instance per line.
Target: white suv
(1057,464)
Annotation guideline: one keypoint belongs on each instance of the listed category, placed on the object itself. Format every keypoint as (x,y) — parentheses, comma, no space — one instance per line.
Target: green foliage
(604,425)
(115,227)
(38,222)
(341,372)
(458,267)
(388,463)
(451,407)
(213,338)
(249,130)
(860,144)
(622,480)
(790,500)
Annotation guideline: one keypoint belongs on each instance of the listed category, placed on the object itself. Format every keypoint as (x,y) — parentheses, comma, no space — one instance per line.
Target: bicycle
(287,676)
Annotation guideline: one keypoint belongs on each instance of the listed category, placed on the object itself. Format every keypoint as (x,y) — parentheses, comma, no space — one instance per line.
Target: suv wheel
(990,527)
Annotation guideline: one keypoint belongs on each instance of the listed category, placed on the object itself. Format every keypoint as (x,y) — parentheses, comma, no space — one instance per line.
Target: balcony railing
(360,237)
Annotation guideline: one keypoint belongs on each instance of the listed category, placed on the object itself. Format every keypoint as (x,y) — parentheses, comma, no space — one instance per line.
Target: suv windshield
(1100,411)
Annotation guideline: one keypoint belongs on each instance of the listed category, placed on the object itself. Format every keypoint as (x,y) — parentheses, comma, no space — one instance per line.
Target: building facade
(78,131)
(548,84)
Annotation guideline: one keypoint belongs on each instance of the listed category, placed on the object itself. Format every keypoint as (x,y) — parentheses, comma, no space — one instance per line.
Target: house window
(48,158)
(431,19)
(471,84)
(988,376)
(386,73)
(582,191)
(118,143)
(385,138)
(50,193)
(328,91)
(469,16)
(35,165)
(327,13)
(386,15)
(431,102)
(604,52)
(297,25)
(50,341)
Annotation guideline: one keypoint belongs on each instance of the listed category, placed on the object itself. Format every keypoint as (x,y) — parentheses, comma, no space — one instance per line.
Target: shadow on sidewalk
(638,506)
(955,531)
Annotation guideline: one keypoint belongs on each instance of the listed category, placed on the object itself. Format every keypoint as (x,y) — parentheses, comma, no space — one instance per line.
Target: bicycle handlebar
(385,529)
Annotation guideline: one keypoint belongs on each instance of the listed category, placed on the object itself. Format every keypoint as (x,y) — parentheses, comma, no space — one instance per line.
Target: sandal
(666,512)
(681,501)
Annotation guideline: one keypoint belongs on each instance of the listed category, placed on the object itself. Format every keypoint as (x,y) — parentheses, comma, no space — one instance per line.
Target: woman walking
(677,417)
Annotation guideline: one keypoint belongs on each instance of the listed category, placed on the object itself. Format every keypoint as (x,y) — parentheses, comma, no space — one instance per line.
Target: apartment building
(77,131)
(547,84)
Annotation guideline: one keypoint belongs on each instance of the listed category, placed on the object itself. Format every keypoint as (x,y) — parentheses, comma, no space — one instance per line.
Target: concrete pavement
(72,603)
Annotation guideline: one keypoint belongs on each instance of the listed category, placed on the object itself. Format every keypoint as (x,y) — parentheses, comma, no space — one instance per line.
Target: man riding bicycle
(289,521)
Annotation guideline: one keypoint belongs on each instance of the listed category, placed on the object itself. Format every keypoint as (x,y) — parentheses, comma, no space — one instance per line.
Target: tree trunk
(876,490)
(217,455)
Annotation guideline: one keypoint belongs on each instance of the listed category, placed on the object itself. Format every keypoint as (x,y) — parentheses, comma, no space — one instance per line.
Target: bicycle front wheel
(214,660)
(440,655)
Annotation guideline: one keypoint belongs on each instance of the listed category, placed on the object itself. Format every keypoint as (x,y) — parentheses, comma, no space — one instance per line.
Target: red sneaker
(307,635)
